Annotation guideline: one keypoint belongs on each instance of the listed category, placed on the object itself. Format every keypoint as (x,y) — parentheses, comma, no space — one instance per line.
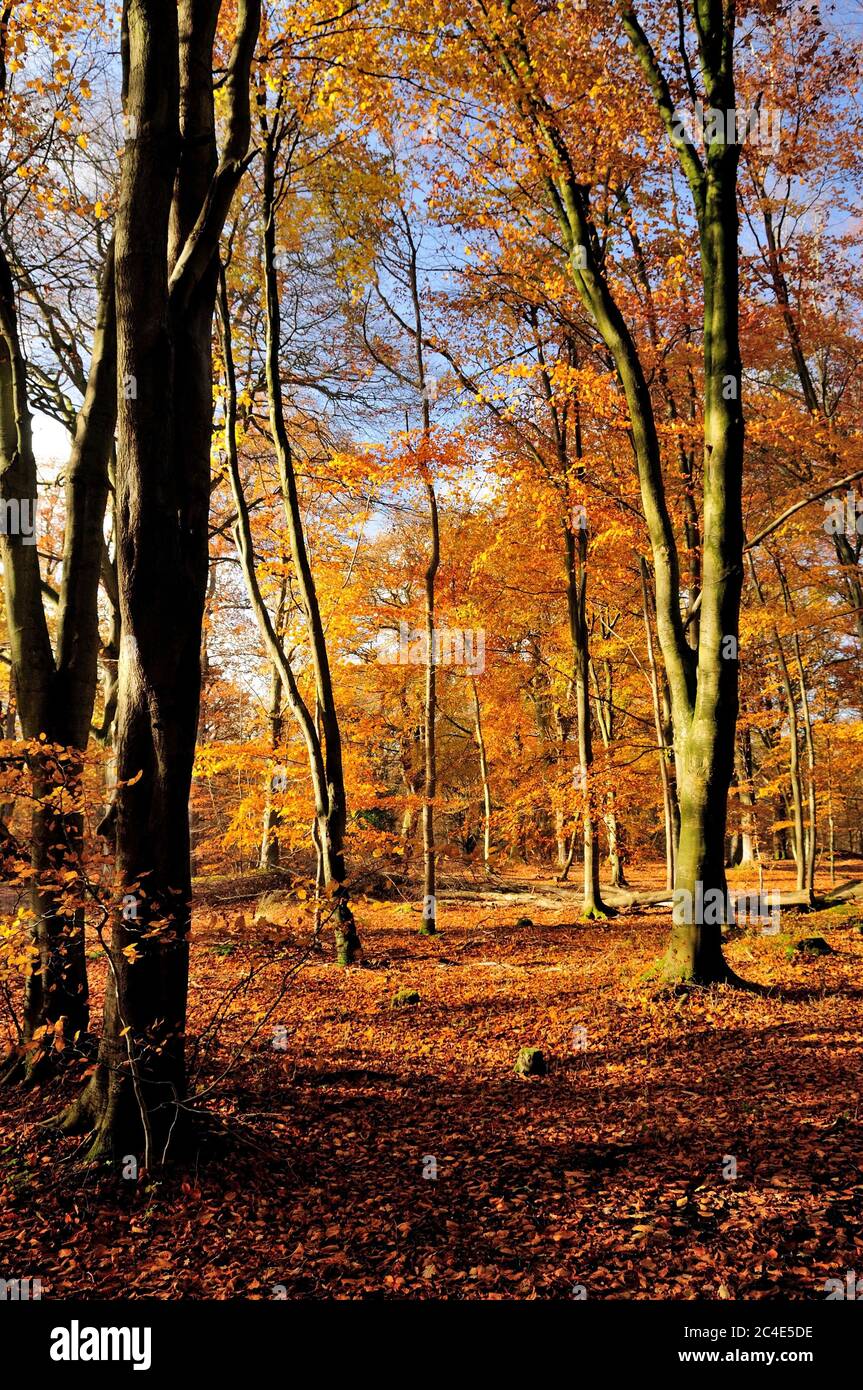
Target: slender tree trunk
(575,553)
(703,682)
(269,855)
(483,772)
(831,823)
(748,827)
(609,815)
(429,910)
(667,809)
(615,858)
(576,573)
(794,770)
(807,844)
(811,841)
(780,835)
(800,843)
(561,841)
(429,905)
(333,828)
(569,856)
(330,873)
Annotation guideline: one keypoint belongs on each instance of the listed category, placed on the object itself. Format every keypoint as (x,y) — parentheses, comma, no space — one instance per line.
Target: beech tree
(175,193)
(54,677)
(702,679)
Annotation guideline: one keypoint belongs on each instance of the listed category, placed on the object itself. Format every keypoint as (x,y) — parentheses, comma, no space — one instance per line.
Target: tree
(55,682)
(703,681)
(175,193)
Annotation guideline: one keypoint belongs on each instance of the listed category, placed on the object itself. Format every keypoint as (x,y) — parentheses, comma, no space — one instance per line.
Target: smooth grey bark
(703,682)
(705,716)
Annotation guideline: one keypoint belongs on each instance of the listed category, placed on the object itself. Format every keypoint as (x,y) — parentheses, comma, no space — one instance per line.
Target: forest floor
(682,1144)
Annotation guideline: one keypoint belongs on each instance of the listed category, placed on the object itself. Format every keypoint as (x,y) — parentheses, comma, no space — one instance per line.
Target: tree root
(594,913)
(676,983)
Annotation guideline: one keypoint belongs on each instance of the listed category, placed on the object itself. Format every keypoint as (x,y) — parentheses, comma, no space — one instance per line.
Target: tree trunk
(429,910)
(800,840)
(140,1071)
(811,841)
(172,204)
(604,720)
(576,575)
(55,697)
(667,808)
(831,822)
(748,823)
(561,840)
(483,772)
(695,948)
(808,844)
(328,829)
(703,682)
(794,770)
(615,857)
(269,855)
(704,699)
(334,820)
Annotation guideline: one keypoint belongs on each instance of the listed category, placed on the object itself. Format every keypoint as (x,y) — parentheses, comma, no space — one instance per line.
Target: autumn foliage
(431,489)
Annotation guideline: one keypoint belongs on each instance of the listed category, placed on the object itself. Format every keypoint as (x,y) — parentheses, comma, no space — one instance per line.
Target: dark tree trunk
(172,204)
(55,695)
(576,591)
(270,850)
